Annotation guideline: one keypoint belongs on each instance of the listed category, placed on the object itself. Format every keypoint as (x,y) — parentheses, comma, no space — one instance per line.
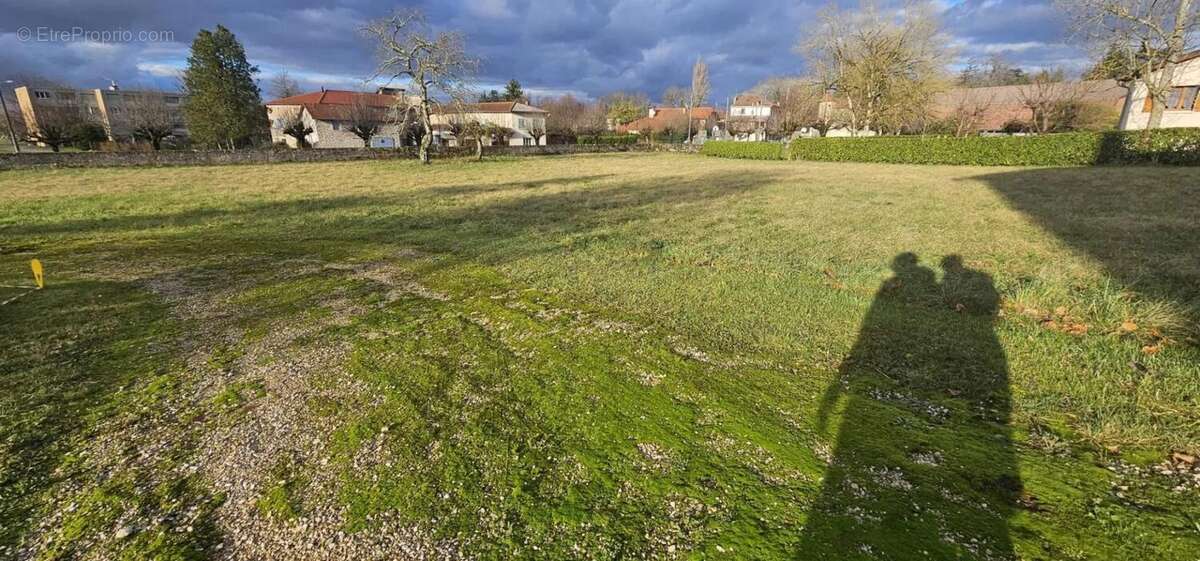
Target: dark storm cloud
(586,46)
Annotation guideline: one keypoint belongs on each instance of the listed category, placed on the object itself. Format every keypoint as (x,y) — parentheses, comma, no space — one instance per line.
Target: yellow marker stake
(37,273)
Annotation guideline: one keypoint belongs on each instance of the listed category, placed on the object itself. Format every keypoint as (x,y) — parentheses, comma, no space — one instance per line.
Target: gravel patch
(233,447)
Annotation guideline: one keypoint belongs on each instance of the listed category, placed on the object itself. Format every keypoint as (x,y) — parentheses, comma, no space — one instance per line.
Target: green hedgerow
(1162,146)
(1165,146)
(743,150)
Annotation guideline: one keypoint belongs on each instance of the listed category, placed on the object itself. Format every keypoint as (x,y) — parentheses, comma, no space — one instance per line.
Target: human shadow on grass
(922,465)
(1141,224)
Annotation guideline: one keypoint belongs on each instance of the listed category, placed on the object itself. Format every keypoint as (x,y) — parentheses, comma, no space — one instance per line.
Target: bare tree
(295,127)
(364,120)
(403,116)
(1147,38)
(885,65)
(57,126)
(435,63)
(1051,102)
(699,93)
(969,110)
(149,118)
(570,116)
(282,85)
(537,132)
(992,71)
(797,102)
(675,96)
(12,124)
(465,127)
(567,115)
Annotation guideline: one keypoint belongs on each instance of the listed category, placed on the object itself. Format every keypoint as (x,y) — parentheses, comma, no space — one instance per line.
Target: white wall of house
(519,123)
(1137,117)
(756,136)
(750,111)
(846,132)
(326,134)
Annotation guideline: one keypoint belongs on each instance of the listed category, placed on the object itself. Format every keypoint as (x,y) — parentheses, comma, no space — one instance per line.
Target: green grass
(625,355)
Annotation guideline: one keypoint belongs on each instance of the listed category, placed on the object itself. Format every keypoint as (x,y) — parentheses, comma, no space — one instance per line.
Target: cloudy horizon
(587,48)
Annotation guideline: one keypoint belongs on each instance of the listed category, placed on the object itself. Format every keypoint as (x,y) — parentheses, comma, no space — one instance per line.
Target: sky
(585,47)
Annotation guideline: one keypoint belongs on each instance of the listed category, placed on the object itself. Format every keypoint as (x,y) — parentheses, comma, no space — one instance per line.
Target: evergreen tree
(513,92)
(224,106)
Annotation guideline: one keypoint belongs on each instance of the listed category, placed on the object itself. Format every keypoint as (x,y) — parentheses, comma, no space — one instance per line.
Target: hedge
(608,139)
(1162,146)
(743,150)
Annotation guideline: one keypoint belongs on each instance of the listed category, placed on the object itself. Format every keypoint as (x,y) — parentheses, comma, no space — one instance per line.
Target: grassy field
(621,356)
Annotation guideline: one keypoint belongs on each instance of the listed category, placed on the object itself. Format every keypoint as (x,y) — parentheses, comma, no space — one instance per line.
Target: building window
(41,95)
(1180,98)
(172,100)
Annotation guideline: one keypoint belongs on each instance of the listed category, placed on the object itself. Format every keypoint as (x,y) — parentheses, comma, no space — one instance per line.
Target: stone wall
(270,156)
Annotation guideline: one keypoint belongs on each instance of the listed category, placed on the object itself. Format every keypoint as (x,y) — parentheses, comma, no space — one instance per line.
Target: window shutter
(1149,104)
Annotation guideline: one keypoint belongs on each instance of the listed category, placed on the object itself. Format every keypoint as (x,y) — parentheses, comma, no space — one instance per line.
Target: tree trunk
(1127,107)
(1160,98)
(479,149)
(426,125)
(1167,75)
(689,120)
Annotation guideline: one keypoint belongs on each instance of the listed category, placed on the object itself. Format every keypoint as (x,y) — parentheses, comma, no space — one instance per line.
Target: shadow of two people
(922,465)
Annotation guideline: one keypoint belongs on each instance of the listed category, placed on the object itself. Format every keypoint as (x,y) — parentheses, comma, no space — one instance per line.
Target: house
(526,124)
(111,108)
(999,108)
(751,118)
(1182,109)
(673,120)
(329,114)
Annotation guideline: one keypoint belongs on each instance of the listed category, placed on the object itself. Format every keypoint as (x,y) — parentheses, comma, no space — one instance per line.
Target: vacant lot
(626,356)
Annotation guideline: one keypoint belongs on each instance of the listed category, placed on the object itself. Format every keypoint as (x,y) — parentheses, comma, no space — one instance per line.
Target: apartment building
(111,108)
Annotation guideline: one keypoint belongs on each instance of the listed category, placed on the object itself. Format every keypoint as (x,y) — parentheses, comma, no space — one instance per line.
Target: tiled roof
(337,97)
(335,105)
(663,117)
(1003,104)
(491,107)
(749,100)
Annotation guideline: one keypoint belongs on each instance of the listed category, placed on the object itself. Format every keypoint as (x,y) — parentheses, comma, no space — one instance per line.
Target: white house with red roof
(329,112)
(673,120)
(526,124)
(751,117)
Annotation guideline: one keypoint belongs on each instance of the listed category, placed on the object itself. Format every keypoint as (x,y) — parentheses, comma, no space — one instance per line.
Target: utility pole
(12,134)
